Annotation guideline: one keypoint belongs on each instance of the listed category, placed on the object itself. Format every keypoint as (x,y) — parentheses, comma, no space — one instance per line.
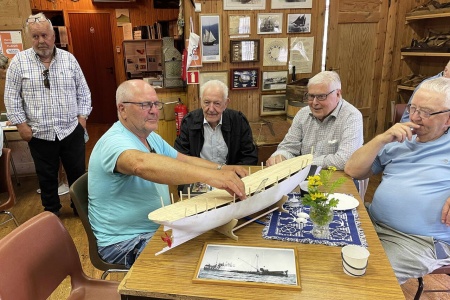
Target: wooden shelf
(426,15)
(426,54)
(405,88)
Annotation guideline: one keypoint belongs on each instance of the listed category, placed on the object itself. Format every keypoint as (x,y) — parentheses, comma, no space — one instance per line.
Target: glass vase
(321,217)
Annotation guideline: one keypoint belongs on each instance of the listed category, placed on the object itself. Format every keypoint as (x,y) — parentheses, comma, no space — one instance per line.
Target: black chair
(79,194)
(420,290)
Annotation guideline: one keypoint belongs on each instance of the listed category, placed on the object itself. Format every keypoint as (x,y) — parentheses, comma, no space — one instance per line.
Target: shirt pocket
(31,82)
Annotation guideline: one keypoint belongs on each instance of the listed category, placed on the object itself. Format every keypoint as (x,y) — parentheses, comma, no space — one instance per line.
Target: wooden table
(169,275)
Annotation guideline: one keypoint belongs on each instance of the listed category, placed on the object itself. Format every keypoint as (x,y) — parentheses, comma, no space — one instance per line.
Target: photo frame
(239,25)
(285,4)
(270,23)
(275,51)
(238,265)
(218,75)
(244,79)
(244,51)
(210,38)
(273,105)
(274,80)
(244,5)
(298,23)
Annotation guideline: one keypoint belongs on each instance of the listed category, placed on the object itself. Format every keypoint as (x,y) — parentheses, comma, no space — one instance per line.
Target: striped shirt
(332,141)
(50,112)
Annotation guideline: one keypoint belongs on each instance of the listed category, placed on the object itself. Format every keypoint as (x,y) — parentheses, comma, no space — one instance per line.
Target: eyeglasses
(37,20)
(46,81)
(319,97)
(423,114)
(148,105)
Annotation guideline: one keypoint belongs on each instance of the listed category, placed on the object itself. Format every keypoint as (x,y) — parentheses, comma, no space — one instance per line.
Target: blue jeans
(125,252)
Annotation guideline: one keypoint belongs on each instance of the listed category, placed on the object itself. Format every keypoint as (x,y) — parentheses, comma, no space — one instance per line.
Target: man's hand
(399,132)
(82,121)
(275,160)
(25,131)
(229,181)
(445,216)
(239,170)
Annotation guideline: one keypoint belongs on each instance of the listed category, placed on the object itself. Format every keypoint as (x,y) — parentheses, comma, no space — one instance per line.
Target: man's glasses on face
(46,80)
(319,97)
(423,114)
(37,20)
(147,105)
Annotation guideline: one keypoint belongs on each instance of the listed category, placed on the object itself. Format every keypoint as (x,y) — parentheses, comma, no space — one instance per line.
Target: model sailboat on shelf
(190,218)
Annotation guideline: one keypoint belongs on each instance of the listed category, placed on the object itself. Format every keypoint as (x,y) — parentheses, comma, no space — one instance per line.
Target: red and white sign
(192,77)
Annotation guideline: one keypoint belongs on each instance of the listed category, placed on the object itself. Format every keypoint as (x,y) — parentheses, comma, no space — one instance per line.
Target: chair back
(399,109)
(6,185)
(79,195)
(36,257)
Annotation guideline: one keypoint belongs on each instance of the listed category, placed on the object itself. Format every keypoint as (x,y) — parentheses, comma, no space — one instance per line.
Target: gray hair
(214,84)
(125,91)
(328,77)
(440,85)
(39,16)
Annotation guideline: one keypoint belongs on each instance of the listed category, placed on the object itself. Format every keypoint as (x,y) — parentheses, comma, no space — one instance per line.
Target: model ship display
(190,218)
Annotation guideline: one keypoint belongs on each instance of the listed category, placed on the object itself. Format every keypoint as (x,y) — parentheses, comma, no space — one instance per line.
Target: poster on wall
(301,54)
(11,43)
(122,17)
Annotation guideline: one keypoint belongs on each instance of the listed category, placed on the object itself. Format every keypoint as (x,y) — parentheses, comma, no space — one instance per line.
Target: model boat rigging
(215,209)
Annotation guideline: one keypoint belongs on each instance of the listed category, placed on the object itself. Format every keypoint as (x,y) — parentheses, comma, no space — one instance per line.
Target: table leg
(5,140)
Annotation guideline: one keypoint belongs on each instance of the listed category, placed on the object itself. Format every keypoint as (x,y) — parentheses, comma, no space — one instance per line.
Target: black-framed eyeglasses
(46,80)
(319,97)
(37,20)
(423,114)
(147,105)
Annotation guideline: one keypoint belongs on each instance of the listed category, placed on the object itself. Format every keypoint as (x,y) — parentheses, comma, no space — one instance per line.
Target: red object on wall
(180,111)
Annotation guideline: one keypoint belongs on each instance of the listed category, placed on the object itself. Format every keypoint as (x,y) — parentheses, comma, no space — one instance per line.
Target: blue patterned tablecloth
(345,229)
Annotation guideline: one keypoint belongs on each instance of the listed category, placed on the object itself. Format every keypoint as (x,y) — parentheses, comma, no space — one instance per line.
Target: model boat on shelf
(192,217)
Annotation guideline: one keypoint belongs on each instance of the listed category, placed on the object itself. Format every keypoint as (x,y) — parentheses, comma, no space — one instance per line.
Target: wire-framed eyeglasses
(46,80)
(319,97)
(37,20)
(147,105)
(423,114)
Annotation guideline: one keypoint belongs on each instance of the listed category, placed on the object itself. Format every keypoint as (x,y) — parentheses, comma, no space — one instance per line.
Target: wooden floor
(29,204)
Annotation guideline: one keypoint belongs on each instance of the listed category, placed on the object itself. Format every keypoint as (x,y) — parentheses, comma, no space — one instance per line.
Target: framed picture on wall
(239,25)
(218,75)
(210,38)
(244,5)
(244,78)
(273,105)
(298,23)
(244,50)
(274,80)
(285,4)
(270,23)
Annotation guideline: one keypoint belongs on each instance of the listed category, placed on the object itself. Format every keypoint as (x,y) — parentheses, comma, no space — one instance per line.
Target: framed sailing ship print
(298,23)
(286,4)
(270,23)
(266,267)
(244,4)
(273,105)
(210,38)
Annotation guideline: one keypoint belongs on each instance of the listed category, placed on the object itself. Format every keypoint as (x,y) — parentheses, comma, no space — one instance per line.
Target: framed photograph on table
(266,267)
(285,4)
(270,23)
(210,38)
(274,80)
(244,78)
(239,25)
(244,50)
(244,5)
(298,23)
(273,105)
(218,75)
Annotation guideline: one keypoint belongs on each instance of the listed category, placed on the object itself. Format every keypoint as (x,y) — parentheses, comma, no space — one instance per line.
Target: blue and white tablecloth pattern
(345,229)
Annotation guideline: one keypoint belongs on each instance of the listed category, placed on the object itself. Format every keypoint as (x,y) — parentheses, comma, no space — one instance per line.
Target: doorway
(92,47)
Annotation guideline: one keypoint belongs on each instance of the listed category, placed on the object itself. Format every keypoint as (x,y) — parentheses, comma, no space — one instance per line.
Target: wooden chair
(420,290)
(79,195)
(6,186)
(399,109)
(38,255)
